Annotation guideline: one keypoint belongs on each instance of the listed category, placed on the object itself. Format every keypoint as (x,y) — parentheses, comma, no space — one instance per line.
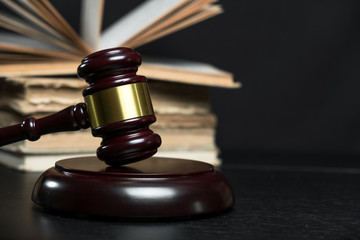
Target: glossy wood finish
(129,140)
(110,68)
(70,119)
(125,141)
(157,187)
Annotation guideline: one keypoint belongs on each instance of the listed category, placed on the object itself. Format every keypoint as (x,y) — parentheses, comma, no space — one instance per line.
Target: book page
(23,57)
(10,42)
(28,14)
(55,19)
(17,25)
(137,20)
(91,22)
(200,16)
(187,65)
(189,72)
(172,18)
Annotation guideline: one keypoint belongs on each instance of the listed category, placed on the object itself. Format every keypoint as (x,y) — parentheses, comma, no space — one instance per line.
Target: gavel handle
(69,119)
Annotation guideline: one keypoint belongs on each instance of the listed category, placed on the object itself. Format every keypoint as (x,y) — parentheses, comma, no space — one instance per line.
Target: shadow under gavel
(117,107)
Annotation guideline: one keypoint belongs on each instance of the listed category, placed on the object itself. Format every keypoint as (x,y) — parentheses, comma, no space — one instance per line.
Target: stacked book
(38,78)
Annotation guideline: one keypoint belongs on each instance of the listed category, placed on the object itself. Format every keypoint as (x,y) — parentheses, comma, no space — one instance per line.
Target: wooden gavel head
(119,106)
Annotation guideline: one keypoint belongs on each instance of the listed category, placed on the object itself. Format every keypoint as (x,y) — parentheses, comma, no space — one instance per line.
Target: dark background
(298,63)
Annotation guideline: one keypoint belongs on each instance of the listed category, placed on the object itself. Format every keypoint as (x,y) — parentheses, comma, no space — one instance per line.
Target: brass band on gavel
(118,104)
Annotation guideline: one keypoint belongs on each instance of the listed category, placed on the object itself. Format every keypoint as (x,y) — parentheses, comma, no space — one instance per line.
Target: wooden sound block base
(155,187)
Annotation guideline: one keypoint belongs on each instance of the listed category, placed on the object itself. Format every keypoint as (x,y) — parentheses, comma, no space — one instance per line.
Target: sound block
(156,187)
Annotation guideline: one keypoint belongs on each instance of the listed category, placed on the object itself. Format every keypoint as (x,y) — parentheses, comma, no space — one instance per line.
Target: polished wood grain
(70,119)
(157,187)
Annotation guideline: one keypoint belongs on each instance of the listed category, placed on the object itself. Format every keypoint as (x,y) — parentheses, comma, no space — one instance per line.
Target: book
(177,142)
(40,20)
(172,70)
(186,125)
(41,162)
(178,132)
(34,162)
(42,95)
(42,42)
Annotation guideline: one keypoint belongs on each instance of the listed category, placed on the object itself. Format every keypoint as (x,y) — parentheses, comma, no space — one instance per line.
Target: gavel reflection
(117,107)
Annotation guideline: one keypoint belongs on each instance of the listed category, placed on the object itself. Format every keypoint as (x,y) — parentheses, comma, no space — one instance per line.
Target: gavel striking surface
(156,187)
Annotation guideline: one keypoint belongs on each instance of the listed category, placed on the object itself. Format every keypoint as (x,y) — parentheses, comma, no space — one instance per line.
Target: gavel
(117,107)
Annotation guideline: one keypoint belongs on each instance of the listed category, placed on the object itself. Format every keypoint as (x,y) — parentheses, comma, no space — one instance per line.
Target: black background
(298,63)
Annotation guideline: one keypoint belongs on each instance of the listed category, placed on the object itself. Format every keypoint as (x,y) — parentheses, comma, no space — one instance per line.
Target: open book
(40,34)
(46,33)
